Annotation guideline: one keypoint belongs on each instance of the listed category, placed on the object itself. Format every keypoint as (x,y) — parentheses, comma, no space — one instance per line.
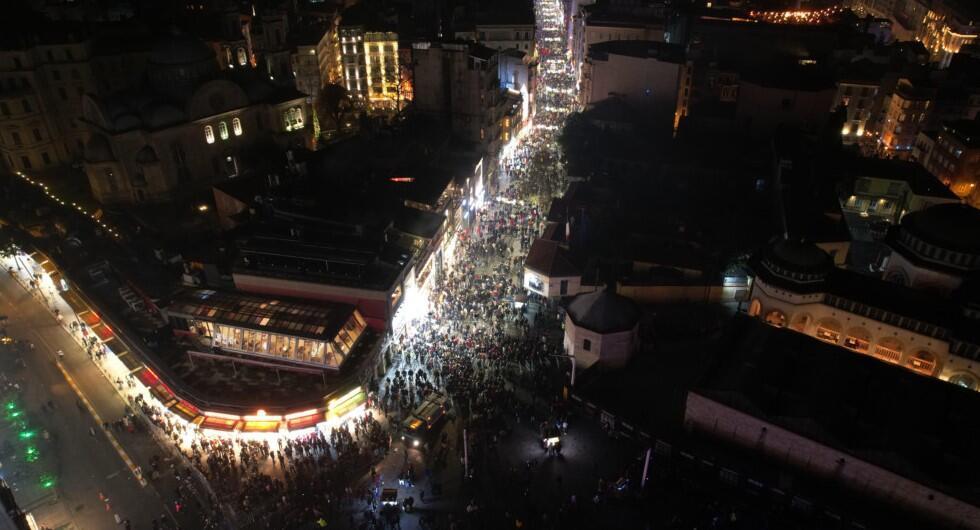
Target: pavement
(86,461)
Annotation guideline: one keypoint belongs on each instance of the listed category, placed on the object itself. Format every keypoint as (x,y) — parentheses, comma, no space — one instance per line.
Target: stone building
(192,125)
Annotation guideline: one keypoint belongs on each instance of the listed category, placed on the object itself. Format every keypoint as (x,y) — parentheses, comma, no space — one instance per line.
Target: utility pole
(466,456)
(646,468)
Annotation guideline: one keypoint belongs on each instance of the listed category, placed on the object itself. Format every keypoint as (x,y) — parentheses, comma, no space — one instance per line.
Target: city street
(88,481)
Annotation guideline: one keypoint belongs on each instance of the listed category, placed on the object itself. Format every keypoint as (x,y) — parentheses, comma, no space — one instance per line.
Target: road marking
(98,420)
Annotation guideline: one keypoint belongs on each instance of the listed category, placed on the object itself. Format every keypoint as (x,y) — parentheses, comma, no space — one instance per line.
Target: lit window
(236,126)
(242,57)
(223,130)
(209,134)
(293,118)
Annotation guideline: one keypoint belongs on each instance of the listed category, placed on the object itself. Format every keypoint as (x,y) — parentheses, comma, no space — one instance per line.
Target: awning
(219,424)
(304,422)
(89,317)
(185,410)
(129,361)
(261,426)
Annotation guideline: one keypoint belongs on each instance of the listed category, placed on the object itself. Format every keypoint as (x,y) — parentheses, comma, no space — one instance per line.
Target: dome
(604,312)
(180,49)
(97,149)
(162,116)
(948,226)
(146,155)
(800,256)
(126,122)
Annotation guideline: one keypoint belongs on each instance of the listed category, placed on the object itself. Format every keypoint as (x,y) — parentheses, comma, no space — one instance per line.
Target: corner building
(923,314)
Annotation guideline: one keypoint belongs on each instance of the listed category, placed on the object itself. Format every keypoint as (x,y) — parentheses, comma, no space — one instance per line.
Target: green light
(32,454)
(26,435)
(10,405)
(14,415)
(47,481)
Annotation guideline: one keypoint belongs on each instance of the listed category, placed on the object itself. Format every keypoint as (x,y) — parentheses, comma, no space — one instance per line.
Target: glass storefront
(326,353)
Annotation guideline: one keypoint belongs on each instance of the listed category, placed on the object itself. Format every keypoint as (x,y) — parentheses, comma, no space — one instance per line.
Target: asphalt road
(83,465)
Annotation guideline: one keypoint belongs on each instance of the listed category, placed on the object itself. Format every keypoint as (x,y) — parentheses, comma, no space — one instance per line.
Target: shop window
(209,134)
(236,126)
(888,349)
(828,330)
(923,362)
(858,339)
(776,318)
(587,345)
(223,130)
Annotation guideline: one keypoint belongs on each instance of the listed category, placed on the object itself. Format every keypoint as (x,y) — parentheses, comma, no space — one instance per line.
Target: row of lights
(78,207)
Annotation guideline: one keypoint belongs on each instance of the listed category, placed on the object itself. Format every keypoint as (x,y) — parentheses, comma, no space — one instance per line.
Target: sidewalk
(104,401)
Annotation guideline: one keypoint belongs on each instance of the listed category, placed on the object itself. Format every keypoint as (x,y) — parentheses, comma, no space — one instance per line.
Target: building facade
(955,159)
(649,76)
(371,67)
(42,84)
(905,114)
(918,316)
(190,127)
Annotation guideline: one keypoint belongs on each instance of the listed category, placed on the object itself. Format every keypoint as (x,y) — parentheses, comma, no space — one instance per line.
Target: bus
(420,429)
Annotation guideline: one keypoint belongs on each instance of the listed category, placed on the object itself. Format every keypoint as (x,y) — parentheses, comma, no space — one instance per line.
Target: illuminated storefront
(319,334)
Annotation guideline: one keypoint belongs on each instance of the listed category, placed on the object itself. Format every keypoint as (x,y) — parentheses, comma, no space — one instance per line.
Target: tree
(334,106)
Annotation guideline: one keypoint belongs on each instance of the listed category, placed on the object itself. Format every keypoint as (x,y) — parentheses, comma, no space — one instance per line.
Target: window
(26,162)
(16,138)
(37,135)
(587,345)
(563,287)
(242,57)
(17,63)
(56,74)
(27,106)
(61,93)
(110,178)
(4,109)
(209,134)
(236,126)
(68,55)
(293,118)
(46,158)
(74,74)
(50,55)
(223,130)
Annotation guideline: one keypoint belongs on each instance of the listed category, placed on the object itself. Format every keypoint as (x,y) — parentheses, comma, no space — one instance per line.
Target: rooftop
(549,258)
(950,226)
(966,131)
(313,320)
(641,49)
(920,181)
(782,377)
(604,311)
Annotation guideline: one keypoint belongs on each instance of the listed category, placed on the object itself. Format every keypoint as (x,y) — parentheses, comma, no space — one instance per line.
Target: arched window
(223,130)
(923,362)
(858,339)
(228,57)
(776,318)
(828,330)
(236,126)
(242,57)
(293,118)
(755,307)
(964,380)
(209,134)
(801,321)
(889,349)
